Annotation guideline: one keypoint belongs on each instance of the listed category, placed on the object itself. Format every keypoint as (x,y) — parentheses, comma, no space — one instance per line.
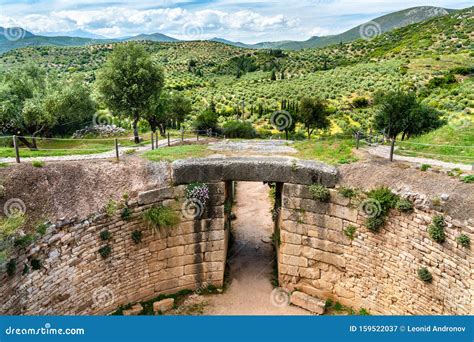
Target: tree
(179,108)
(35,105)
(130,82)
(422,120)
(313,114)
(395,114)
(168,111)
(273,75)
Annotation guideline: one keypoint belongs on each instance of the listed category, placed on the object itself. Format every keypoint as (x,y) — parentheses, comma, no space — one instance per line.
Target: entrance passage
(251,258)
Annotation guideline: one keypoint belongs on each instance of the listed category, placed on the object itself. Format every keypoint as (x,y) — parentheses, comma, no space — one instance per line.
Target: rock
(444,197)
(266,239)
(163,305)
(100,131)
(307,302)
(134,310)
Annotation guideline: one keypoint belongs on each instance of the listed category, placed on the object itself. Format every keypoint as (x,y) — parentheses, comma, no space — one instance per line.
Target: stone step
(312,304)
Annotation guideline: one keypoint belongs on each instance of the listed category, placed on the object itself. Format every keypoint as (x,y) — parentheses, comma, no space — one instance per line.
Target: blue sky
(249,21)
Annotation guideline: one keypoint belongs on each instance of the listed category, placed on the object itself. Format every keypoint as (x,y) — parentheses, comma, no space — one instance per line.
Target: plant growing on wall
(198,191)
(404,205)
(160,217)
(105,251)
(137,236)
(350,231)
(347,192)
(377,206)
(436,229)
(35,264)
(464,240)
(424,274)
(319,192)
(11,267)
(105,235)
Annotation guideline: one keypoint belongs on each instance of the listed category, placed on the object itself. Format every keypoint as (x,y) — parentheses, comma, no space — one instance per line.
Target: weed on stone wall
(347,192)
(424,274)
(377,206)
(464,240)
(137,236)
(160,217)
(436,229)
(319,192)
(105,251)
(350,231)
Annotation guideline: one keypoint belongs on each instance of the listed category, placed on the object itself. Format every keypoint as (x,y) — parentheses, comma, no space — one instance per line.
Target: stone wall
(75,279)
(375,271)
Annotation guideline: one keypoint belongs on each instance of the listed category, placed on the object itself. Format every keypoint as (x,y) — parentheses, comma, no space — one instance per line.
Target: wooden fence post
(357,139)
(17,150)
(197,135)
(157,140)
(182,136)
(152,141)
(117,149)
(169,144)
(392,148)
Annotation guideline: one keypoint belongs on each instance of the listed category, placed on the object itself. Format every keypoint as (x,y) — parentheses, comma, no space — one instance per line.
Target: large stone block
(163,305)
(314,305)
(156,195)
(272,169)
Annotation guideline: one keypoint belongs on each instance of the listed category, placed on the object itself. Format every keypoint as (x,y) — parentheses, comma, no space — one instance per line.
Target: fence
(17,146)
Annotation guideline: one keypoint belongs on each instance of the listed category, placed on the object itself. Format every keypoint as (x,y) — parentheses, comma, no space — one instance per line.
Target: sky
(249,21)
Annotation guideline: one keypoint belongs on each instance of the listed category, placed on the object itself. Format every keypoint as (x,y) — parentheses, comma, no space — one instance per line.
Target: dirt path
(251,259)
(384,151)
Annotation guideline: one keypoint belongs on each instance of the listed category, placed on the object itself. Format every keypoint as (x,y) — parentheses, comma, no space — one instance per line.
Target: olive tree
(130,82)
(313,114)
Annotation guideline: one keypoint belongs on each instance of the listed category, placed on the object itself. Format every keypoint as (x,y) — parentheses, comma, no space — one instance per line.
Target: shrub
(319,192)
(137,236)
(404,205)
(385,197)
(9,225)
(239,129)
(41,229)
(161,217)
(364,312)
(35,264)
(425,167)
(105,235)
(360,102)
(464,240)
(338,306)
(105,251)
(24,241)
(436,229)
(328,303)
(206,120)
(350,231)
(26,269)
(11,267)
(111,207)
(347,192)
(125,214)
(374,223)
(468,179)
(37,163)
(425,275)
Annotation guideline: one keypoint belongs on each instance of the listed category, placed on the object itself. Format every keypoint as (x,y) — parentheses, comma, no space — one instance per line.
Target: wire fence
(28,146)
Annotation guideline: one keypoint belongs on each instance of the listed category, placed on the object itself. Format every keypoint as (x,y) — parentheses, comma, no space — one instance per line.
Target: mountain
(154,37)
(75,33)
(12,38)
(372,28)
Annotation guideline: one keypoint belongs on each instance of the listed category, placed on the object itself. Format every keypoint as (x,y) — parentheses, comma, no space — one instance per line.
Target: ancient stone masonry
(75,279)
(375,271)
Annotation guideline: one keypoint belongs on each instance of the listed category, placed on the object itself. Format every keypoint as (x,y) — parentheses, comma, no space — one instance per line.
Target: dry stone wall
(375,271)
(74,279)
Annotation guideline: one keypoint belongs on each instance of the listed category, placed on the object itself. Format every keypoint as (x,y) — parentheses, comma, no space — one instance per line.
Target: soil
(68,189)
(251,259)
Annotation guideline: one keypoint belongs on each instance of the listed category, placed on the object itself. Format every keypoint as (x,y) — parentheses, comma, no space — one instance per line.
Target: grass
(460,143)
(178,152)
(332,151)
